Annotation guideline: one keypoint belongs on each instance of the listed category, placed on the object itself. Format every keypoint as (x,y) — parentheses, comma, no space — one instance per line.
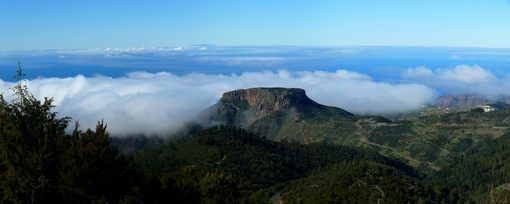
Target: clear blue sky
(57,24)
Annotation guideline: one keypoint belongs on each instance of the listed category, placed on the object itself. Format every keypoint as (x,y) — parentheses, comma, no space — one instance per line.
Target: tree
(30,134)
(41,163)
(91,169)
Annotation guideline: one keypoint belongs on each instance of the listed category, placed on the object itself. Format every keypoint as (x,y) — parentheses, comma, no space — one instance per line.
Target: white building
(487,108)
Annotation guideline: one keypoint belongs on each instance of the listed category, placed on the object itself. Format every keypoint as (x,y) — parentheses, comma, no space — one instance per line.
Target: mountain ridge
(264,101)
(281,114)
(467,100)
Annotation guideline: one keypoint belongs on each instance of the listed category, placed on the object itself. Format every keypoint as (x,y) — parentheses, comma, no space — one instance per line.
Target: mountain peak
(262,102)
(269,99)
(269,111)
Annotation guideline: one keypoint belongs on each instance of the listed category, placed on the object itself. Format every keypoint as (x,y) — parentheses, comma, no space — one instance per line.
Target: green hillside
(317,154)
(481,174)
(289,115)
(430,139)
(41,163)
(434,141)
(229,164)
(353,182)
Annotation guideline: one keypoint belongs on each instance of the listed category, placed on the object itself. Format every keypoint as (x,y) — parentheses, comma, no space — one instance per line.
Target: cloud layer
(462,73)
(461,79)
(147,103)
(468,74)
(418,72)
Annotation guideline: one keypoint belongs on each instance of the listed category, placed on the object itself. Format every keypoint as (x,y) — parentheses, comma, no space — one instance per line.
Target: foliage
(30,139)
(40,163)
(354,182)
(233,163)
(471,178)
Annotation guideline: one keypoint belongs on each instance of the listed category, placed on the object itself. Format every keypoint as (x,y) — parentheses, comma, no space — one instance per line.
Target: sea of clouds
(159,103)
(461,79)
(152,102)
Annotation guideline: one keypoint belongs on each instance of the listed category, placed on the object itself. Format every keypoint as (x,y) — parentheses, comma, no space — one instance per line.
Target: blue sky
(63,24)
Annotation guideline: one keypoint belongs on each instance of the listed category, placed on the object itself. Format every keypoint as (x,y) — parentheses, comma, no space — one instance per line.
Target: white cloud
(418,72)
(461,73)
(456,57)
(243,60)
(159,103)
(462,79)
(179,49)
(468,74)
(338,75)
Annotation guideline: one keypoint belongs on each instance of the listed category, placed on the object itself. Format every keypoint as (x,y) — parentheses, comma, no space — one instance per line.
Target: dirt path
(363,134)
(430,164)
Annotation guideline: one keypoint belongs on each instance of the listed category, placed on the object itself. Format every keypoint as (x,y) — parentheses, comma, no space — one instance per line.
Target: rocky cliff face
(281,114)
(288,114)
(263,102)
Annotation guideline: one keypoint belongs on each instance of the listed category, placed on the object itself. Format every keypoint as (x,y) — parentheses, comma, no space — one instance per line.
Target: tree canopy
(40,163)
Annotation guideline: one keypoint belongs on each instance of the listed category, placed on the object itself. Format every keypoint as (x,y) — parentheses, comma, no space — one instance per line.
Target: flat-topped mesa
(262,102)
(269,99)
(280,113)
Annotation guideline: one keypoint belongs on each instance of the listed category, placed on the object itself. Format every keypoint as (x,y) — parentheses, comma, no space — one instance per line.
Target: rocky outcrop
(284,114)
(267,101)
(270,106)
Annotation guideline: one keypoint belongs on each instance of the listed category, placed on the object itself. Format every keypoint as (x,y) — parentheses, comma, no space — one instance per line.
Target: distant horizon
(247,45)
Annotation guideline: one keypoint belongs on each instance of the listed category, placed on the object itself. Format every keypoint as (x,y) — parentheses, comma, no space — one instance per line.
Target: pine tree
(40,163)
(29,136)
(91,169)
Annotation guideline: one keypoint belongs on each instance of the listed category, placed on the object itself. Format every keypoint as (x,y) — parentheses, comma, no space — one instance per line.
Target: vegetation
(354,182)
(434,141)
(460,157)
(429,140)
(438,142)
(483,173)
(40,163)
(223,164)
